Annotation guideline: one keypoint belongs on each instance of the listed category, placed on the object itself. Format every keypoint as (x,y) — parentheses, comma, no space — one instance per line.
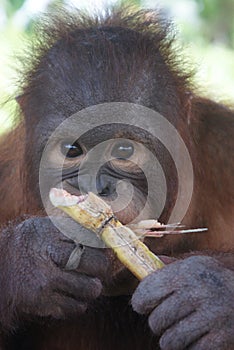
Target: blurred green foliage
(11,6)
(217,20)
(206,27)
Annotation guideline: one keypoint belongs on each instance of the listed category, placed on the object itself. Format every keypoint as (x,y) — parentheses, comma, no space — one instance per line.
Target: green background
(205,28)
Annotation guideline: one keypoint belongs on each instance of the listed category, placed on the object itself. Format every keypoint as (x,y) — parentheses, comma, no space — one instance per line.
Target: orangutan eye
(122,150)
(71,150)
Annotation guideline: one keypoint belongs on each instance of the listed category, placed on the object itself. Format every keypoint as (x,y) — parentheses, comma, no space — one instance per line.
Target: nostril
(104,192)
(105,185)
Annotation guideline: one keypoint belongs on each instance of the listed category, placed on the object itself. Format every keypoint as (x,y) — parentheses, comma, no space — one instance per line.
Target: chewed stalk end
(61,198)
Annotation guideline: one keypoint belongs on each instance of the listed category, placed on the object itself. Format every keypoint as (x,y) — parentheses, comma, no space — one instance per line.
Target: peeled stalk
(94,214)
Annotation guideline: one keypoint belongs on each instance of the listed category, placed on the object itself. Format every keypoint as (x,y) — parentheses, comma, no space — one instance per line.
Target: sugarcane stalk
(94,214)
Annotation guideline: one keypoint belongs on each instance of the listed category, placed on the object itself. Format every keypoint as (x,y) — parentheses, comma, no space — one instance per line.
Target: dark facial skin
(120,155)
(188,304)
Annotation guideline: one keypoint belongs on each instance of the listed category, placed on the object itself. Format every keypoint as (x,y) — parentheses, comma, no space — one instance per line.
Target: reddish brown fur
(155,79)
